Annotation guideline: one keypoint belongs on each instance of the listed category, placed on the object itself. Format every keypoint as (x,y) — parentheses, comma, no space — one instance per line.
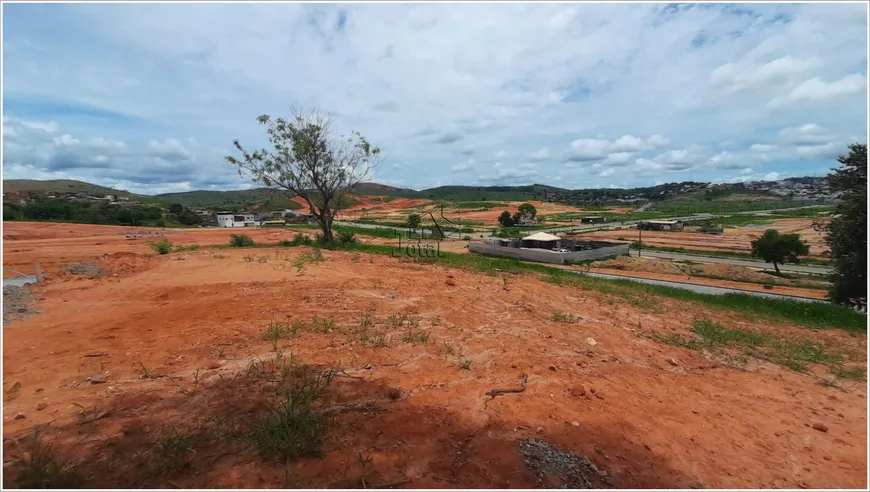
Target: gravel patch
(16,303)
(572,471)
(88,268)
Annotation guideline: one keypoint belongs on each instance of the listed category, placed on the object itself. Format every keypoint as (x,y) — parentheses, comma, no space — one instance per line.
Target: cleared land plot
(737,239)
(174,373)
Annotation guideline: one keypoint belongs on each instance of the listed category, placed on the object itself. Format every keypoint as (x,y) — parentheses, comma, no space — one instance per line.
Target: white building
(230,219)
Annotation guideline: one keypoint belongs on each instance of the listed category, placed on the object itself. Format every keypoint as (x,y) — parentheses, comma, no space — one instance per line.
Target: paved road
(702,289)
(816,269)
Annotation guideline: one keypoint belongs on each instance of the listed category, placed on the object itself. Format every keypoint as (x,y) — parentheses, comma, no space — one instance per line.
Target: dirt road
(786,267)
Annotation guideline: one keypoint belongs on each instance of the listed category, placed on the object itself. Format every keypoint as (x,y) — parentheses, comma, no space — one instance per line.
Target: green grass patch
(735,344)
(294,428)
(42,468)
(162,247)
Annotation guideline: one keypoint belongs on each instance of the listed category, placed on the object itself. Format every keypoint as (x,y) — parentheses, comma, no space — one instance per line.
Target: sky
(149,97)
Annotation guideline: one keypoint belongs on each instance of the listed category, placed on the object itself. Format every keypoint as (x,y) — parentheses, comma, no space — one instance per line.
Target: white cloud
(762,147)
(169,149)
(808,134)
(511,79)
(816,90)
(733,77)
(825,152)
(771,176)
(540,155)
(594,149)
(463,166)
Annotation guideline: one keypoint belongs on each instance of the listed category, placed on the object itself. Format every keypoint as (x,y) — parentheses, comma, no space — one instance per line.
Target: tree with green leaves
(777,248)
(175,208)
(526,212)
(847,231)
(413,221)
(305,159)
(505,219)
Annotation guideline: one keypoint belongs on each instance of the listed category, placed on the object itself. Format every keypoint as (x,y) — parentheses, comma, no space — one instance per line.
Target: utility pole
(640,238)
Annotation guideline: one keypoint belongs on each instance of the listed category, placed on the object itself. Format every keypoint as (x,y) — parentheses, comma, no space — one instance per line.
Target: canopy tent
(541,236)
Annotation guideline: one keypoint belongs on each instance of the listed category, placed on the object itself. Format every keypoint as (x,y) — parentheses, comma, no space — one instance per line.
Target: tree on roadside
(176,208)
(847,231)
(413,221)
(777,248)
(505,219)
(306,159)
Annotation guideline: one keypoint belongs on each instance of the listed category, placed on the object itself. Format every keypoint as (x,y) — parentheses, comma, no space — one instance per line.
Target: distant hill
(62,185)
(208,198)
(269,199)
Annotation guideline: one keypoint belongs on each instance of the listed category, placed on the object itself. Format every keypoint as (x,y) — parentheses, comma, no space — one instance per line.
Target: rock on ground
(17,303)
(574,472)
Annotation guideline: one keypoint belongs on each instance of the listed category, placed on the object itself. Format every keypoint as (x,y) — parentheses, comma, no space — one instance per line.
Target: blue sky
(149,97)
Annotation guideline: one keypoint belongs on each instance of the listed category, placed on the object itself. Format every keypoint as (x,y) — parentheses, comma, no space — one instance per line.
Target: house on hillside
(232,219)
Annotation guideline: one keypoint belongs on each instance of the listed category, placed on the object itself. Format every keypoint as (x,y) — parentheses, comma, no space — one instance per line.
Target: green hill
(62,186)
(208,198)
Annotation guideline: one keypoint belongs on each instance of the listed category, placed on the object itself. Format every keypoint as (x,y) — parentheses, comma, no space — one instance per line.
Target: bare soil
(735,239)
(648,415)
(730,276)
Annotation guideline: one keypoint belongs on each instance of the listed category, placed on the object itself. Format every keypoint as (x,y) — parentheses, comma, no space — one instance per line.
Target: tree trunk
(326,224)
(776,267)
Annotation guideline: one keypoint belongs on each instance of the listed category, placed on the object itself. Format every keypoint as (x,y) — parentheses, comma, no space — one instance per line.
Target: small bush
(296,427)
(240,241)
(41,469)
(565,318)
(347,238)
(162,247)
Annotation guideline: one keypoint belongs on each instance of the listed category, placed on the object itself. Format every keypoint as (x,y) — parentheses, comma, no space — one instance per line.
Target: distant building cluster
(22,197)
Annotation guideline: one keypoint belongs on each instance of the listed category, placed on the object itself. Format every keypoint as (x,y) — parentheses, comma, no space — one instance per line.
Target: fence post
(37,272)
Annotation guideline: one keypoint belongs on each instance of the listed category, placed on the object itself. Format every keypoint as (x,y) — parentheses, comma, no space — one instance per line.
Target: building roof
(542,236)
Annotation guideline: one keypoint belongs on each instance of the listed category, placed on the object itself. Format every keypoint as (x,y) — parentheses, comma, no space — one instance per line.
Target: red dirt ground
(735,239)
(648,422)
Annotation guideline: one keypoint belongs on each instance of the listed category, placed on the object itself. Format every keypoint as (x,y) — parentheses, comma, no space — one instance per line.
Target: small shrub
(40,469)
(465,364)
(162,247)
(275,331)
(262,259)
(248,258)
(296,427)
(448,348)
(175,450)
(347,238)
(145,370)
(193,247)
(565,318)
(415,336)
(240,241)
(466,238)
